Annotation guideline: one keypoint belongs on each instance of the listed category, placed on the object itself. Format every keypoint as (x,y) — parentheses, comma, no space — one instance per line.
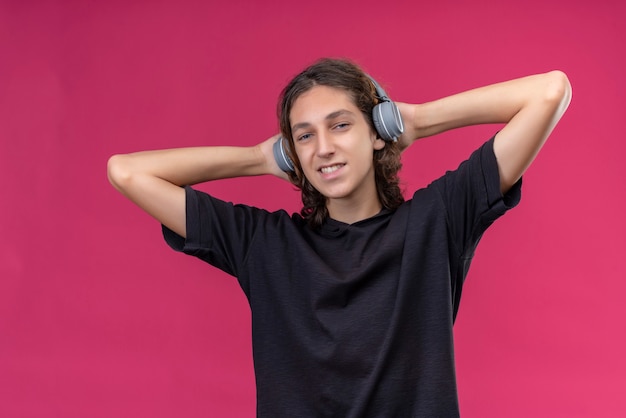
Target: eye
(341,126)
(304,137)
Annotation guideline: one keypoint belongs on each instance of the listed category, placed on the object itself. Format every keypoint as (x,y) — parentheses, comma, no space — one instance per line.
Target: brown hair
(344,75)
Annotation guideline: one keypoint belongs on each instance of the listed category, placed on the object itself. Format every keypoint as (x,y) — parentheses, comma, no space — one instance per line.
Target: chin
(336,194)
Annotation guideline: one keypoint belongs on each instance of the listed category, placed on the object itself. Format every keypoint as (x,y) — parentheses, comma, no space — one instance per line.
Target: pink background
(99,318)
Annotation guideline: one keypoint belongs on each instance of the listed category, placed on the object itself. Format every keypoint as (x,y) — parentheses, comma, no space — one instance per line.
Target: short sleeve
(218,232)
(472,199)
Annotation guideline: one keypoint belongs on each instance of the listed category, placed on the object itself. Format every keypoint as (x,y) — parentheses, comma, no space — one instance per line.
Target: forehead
(318,102)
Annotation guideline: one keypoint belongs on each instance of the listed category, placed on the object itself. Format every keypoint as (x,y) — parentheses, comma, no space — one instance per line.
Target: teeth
(327,170)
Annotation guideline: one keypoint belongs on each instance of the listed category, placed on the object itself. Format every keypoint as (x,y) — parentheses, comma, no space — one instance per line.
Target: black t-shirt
(354,320)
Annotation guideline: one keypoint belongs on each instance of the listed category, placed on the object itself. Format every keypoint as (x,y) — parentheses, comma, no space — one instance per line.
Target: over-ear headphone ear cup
(388,121)
(281,157)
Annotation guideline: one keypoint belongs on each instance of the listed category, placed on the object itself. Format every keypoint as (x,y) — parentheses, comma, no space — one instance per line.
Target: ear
(379,144)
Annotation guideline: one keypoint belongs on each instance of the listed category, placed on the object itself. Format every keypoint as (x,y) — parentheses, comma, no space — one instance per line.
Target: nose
(325,145)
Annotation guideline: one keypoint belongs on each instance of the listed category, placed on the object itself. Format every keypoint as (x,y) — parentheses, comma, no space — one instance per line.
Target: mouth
(330,168)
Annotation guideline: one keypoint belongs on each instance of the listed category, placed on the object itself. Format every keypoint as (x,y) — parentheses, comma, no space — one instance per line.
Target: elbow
(558,90)
(118,171)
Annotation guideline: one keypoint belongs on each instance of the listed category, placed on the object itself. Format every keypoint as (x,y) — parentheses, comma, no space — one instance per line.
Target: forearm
(496,103)
(187,166)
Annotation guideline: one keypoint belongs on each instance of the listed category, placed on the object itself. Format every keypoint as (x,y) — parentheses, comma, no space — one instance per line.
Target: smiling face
(335,147)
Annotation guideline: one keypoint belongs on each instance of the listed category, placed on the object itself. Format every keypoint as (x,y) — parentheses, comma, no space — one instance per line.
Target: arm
(530,107)
(152,179)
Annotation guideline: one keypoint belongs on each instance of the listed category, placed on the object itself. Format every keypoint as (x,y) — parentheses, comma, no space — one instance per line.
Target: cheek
(304,158)
(300,154)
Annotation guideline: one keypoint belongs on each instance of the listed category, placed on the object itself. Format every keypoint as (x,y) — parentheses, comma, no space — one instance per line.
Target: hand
(266,148)
(407,111)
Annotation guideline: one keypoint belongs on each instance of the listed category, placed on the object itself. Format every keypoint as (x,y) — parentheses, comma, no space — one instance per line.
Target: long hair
(344,75)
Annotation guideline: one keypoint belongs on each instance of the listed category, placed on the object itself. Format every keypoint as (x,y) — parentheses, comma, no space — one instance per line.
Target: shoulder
(478,174)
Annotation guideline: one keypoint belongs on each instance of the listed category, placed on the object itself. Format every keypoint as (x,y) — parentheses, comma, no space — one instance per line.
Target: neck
(350,212)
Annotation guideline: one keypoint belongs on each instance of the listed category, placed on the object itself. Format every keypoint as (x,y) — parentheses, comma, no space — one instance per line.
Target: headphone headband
(380,92)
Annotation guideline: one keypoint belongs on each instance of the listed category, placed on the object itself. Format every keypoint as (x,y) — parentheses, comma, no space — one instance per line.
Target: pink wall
(99,318)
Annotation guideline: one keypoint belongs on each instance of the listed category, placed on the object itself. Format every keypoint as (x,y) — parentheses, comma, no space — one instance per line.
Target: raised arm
(152,179)
(530,107)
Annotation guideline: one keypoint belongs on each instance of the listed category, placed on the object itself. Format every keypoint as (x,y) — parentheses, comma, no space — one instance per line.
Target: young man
(353,300)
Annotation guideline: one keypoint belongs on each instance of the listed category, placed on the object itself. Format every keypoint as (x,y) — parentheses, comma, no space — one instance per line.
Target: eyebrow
(330,116)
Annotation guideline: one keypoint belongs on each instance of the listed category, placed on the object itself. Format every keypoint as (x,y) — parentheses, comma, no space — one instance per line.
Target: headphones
(387,121)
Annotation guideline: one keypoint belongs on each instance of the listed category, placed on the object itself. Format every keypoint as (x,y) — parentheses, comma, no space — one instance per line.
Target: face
(335,146)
